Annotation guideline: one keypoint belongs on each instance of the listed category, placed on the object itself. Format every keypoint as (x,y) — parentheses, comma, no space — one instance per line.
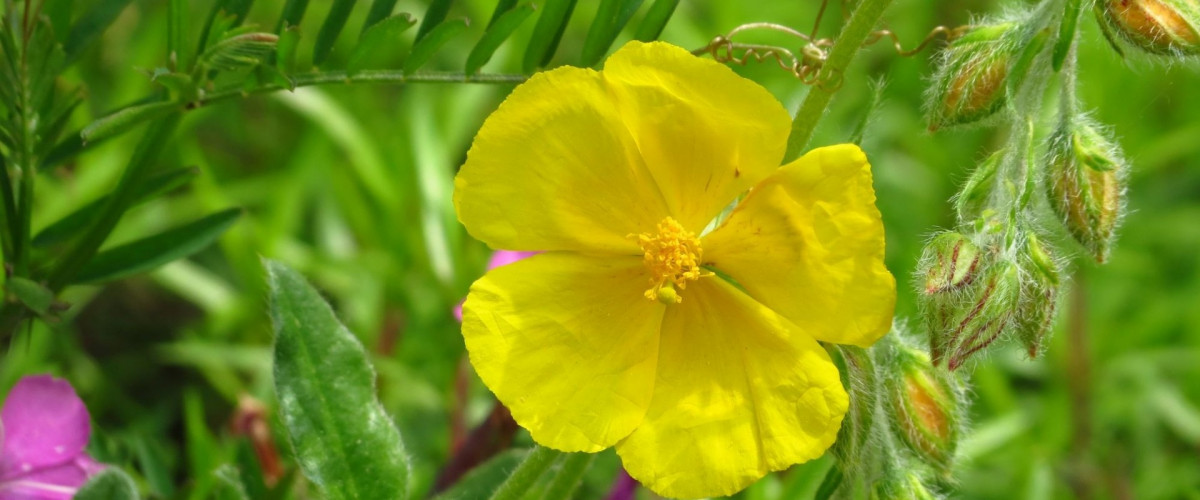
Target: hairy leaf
(496,35)
(344,441)
(482,480)
(112,484)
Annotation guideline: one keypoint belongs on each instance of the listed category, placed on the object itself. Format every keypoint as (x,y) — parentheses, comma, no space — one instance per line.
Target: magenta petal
(45,424)
(506,257)
(52,483)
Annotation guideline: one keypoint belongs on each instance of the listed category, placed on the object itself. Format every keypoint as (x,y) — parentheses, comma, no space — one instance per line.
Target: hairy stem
(535,464)
(862,21)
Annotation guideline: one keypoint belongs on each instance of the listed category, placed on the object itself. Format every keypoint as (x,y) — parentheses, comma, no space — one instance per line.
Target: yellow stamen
(673,259)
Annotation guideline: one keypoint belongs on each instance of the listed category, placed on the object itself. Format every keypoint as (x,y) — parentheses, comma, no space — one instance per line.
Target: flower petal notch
(694,351)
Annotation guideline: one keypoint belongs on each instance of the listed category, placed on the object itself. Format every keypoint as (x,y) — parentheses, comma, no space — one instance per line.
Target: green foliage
(322,372)
(112,484)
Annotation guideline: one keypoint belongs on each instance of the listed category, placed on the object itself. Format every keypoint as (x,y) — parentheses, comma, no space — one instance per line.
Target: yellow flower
(694,353)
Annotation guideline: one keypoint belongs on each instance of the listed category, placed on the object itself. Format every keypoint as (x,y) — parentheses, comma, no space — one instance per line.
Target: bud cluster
(1163,27)
(974,292)
(1085,180)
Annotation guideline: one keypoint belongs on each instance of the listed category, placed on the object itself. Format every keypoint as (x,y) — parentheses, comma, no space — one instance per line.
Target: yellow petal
(568,343)
(808,243)
(739,392)
(705,133)
(554,168)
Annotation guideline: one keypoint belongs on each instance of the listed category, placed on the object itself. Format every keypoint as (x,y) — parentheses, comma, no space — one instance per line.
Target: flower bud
(1086,178)
(1155,26)
(991,311)
(924,404)
(972,200)
(970,82)
(1039,294)
(948,262)
(858,376)
(906,486)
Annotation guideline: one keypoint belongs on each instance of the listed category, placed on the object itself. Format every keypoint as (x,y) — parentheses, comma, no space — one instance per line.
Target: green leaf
(1066,33)
(434,16)
(569,475)
(383,34)
(225,14)
(228,484)
(112,484)
(502,6)
(656,19)
(344,441)
(240,51)
(547,33)
(496,35)
(380,10)
(330,29)
(148,253)
(293,13)
(482,480)
(429,45)
(125,119)
(91,25)
(285,52)
(177,15)
(610,18)
(36,297)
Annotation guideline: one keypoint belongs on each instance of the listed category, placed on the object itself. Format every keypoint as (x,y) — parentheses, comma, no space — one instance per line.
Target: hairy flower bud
(902,486)
(948,262)
(971,201)
(858,376)
(925,406)
(1039,294)
(964,321)
(1085,178)
(1155,26)
(970,82)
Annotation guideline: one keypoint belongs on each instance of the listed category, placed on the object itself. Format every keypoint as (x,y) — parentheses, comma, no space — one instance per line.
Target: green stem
(535,464)
(569,473)
(829,485)
(8,222)
(862,22)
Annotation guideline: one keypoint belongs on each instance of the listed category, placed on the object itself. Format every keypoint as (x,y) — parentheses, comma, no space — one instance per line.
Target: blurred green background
(351,185)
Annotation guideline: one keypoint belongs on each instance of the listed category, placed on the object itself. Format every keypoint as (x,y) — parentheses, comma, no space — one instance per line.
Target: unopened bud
(970,82)
(948,262)
(1155,26)
(1086,177)
(973,199)
(991,312)
(902,486)
(925,407)
(1039,295)
(859,378)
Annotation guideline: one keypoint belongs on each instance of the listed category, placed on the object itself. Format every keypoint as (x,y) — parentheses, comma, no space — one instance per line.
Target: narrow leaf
(148,189)
(502,6)
(293,13)
(285,49)
(125,119)
(380,10)
(496,35)
(112,484)
(385,33)
(610,18)
(344,441)
(229,484)
(482,480)
(91,25)
(547,33)
(148,253)
(240,51)
(330,29)
(656,19)
(429,45)
(1066,33)
(34,295)
(225,14)
(434,16)
(177,15)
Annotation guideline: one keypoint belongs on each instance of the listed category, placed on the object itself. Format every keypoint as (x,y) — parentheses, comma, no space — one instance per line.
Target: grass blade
(656,19)
(610,18)
(148,253)
(428,46)
(547,33)
(321,372)
(496,35)
(330,29)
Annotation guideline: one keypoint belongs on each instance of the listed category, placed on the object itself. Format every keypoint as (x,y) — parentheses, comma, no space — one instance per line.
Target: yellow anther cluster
(673,259)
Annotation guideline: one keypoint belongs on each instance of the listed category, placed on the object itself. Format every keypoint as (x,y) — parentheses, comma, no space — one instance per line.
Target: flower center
(673,259)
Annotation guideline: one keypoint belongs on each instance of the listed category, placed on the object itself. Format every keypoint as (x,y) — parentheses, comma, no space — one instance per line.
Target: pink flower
(44,428)
(499,258)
